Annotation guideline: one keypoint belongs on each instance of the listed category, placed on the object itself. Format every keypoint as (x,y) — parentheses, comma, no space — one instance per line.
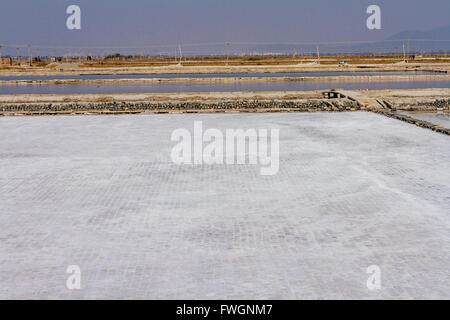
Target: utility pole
(408,48)
(404,54)
(18,54)
(228,52)
(1,62)
(29,54)
(318,55)
(181,56)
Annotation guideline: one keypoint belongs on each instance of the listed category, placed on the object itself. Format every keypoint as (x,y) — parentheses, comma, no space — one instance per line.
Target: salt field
(353,190)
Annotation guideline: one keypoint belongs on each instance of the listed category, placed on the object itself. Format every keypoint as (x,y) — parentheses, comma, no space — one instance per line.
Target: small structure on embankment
(360,98)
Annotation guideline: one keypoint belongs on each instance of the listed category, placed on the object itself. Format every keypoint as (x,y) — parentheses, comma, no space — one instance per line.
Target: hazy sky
(144,22)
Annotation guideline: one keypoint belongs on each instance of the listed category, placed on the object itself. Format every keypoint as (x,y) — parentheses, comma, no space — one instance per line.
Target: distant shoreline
(85,69)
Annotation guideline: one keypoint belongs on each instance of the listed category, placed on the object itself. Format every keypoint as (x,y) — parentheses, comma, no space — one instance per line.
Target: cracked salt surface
(353,190)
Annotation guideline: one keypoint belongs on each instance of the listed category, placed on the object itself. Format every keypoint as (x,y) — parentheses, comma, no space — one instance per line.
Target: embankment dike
(307,105)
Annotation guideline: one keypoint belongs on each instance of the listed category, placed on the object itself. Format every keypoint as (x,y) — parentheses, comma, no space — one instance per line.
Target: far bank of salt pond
(230,86)
(209,75)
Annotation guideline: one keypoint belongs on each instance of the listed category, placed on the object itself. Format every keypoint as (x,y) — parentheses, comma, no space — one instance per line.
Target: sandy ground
(400,96)
(411,97)
(352,190)
(309,67)
(160,97)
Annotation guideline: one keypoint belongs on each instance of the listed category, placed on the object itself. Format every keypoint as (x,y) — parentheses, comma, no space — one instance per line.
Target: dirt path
(402,96)
(174,69)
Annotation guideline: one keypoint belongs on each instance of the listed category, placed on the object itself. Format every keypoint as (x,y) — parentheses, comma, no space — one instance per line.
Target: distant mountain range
(432,42)
(442,33)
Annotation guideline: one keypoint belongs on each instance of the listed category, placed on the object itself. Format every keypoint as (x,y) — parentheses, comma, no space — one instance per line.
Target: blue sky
(143,22)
